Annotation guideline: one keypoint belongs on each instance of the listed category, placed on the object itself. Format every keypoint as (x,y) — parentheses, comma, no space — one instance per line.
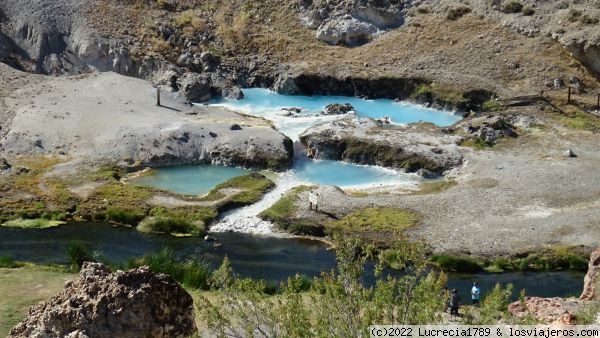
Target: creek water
(269,104)
(270,258)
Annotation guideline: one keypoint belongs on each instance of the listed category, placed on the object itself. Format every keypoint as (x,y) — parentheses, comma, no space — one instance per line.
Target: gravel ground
(523,196)
(110,118)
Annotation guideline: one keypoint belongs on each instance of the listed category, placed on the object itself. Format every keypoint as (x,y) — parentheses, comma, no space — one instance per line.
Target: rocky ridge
(123,304)
(366,141)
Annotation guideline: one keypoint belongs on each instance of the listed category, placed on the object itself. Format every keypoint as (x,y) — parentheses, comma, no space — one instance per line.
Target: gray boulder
(101,304)
(4,165)
(196,87)
(337,109)
(346,30)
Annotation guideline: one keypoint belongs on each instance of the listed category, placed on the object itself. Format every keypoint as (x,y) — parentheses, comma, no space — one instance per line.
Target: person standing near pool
(475,293)
(454,303)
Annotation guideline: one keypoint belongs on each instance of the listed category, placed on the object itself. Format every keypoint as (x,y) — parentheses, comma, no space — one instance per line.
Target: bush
(573,15)
(588,20)
(171,225)
(493,307)
(338,303)
(457,12)
(491,105)
(122,216)
(512,7)
(456,263)
(191,273)
(8,262)
(528,11)
(78,253)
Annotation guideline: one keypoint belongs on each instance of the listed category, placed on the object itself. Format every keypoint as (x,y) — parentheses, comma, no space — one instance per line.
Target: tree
(337,304)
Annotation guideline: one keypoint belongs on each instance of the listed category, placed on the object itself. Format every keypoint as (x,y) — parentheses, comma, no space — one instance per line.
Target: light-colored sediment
(109,118)
(524,195)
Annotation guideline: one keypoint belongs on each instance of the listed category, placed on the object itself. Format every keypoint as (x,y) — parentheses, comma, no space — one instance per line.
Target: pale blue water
(346,175)
(189,179)
(257,100)
(200,179)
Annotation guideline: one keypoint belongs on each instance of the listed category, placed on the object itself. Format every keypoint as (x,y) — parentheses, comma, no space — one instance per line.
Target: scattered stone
(424,173)
(235,126)
(490,128)
(547,310)
(293,110)
(212,134)
(559,83)
(4,165)
(209,238)
(337,109)
(569,153)
(21,170)
(103,304)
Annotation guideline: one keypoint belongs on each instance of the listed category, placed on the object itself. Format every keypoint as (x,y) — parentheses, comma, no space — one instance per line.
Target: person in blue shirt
(475,293)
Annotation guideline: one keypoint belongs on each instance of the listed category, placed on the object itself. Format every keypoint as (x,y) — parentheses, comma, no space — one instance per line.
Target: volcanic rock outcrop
(135,303)
(366,141)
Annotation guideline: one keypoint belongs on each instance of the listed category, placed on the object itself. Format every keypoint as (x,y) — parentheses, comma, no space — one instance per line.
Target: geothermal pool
(198,180)
(269,104)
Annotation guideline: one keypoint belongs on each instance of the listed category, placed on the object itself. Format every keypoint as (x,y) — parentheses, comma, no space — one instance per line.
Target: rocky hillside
(507,48)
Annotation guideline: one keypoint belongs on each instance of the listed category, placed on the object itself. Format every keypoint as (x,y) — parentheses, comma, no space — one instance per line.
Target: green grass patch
(435,187)
(26,286)
(38,223)
(579,120)
(476,143)
(192,273)
(9,263)
(253,186)
(172,225)
(431,92)
(375,219)
(283,214)
(457,263)
(491,105)
(122,216)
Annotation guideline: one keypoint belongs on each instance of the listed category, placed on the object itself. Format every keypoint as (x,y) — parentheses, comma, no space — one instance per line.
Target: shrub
(457,12)
(528,11)
(78,253)
(588,20)
(338,303)
(491,105)
(171,225)
(8,262)
(512,7)
(456,263)
(573,15)
(191,273)
(493,307)
(122,216)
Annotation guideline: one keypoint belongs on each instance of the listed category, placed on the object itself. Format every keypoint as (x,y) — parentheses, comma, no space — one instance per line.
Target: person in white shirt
(475,292)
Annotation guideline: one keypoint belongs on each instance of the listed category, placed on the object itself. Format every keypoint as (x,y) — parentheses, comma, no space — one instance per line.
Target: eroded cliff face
(135,303)
(365,141)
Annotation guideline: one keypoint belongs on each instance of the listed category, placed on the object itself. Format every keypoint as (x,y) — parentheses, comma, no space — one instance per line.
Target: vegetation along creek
(296,168)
